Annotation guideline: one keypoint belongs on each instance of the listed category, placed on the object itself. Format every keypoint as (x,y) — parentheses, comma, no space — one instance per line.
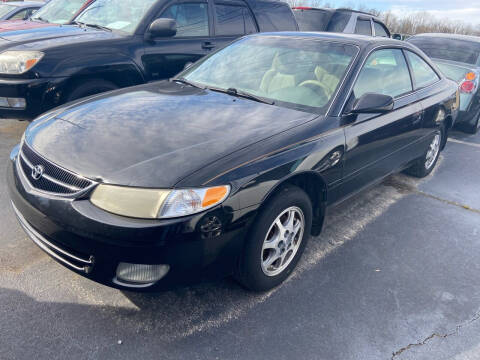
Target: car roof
(25,3)
(449,36)
(360,40)
(332,10)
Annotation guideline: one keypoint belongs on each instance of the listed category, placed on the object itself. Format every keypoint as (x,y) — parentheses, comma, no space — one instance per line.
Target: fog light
(17,103)
(141,274)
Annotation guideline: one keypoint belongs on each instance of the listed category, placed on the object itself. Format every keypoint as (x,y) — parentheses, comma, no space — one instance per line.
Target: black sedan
(228,168)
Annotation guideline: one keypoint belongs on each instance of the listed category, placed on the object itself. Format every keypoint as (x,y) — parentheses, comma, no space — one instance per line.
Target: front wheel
(425,165)
(277,240)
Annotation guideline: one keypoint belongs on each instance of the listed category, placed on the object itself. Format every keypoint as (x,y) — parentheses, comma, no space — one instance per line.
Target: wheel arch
(314,186)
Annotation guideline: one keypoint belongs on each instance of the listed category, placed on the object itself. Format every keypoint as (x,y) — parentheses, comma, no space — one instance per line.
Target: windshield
(446,49)
(58,11)
(116,14)
(5,9)
(303,74)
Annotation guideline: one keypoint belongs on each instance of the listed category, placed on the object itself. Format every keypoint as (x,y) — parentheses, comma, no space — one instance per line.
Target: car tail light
(469,84)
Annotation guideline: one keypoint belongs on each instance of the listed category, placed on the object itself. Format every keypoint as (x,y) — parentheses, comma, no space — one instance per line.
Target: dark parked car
(19,10)
(229,167)
(114,46)
(56,12)
(458,58)
(339,20)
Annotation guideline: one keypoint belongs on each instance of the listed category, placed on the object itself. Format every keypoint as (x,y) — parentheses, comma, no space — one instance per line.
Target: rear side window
(312,20)
(363,27)
(274,16)
(423,74)
(385,72)
(234,20)
(338,22)
(191,18)
(380,30)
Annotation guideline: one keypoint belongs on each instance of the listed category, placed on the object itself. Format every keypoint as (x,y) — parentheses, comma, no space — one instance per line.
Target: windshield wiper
(187,82)
(243,94)
(41,19)
(96,26)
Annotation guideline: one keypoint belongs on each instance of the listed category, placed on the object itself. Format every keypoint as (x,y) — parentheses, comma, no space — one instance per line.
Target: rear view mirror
(162,27)
(371,103)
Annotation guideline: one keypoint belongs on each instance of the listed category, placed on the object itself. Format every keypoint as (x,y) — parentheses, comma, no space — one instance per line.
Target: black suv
(340,20)
(114,45)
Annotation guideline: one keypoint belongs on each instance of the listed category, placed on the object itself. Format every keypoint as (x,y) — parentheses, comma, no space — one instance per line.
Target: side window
(363,27)
(233,20)
(423,74)
(191,18)
(380,30)
(21,15)
(385,72)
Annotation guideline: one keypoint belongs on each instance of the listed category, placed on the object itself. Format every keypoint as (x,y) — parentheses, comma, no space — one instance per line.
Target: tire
(90,87)
(254,273)
(425,165)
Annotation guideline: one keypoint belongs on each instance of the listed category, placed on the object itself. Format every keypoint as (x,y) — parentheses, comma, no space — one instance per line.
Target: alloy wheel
(282,241)
(433,151)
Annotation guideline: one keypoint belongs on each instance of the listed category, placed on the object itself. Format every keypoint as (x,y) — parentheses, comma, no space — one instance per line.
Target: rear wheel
(425,165)
(277,240)
(88,88)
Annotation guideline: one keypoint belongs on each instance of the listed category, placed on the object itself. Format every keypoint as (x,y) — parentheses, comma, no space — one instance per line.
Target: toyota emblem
(37,172)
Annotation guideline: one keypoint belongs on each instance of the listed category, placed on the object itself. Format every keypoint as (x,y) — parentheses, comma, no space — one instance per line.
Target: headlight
(18,62)
(156,203)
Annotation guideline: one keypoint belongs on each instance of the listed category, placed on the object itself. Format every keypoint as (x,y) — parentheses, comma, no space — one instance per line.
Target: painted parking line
(464,142)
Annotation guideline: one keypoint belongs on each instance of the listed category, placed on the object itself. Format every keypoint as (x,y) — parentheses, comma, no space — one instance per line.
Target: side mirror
(371,103)
(162,27)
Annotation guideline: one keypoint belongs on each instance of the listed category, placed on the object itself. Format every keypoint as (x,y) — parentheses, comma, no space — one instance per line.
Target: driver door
(377,145)
(166,57)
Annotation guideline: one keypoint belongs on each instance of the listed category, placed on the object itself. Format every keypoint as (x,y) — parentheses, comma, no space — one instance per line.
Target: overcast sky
(465,10)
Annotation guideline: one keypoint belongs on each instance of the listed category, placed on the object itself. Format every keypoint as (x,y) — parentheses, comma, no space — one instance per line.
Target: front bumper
(93,242)
(40,95)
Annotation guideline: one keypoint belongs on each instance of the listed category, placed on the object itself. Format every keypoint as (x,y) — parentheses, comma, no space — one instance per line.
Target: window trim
(381,47)
(413,75)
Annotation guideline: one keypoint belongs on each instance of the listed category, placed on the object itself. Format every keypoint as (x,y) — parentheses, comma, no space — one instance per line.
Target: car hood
(154,135)
(15,25)
(55,35)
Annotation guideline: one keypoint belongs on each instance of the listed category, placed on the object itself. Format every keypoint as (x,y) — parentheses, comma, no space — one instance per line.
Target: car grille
(54,179)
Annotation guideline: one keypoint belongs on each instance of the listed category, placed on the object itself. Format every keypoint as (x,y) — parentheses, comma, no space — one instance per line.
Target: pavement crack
(450,202)
(436,335)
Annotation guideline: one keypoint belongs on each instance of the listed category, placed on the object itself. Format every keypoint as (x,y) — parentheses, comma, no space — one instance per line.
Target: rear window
(447,49)
(312,20)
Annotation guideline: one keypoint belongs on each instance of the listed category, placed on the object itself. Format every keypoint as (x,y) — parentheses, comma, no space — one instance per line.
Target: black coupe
(229,167)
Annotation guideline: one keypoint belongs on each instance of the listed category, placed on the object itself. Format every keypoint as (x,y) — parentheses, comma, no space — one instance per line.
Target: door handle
(208,45)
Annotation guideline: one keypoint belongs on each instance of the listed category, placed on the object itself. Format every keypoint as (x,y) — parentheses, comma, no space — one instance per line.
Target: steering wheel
(318,87)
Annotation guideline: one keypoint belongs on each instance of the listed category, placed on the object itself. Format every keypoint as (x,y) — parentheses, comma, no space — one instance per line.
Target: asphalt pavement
(395,275)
